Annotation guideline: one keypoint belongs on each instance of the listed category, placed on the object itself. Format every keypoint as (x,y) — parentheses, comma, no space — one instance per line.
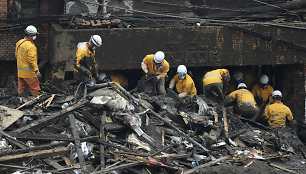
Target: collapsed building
(255,38)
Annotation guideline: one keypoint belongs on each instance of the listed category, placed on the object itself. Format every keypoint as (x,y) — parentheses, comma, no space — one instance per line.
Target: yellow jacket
(26,55)
(85,58)
(156,70)
(242,96)
(215,76)
(263,94)
(186,85)
(277,113)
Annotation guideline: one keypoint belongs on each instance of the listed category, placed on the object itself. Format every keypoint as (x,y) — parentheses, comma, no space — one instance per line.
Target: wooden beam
(37,154)
(53,116)
(198,168)
(225,121)
(77,142)
(102,136)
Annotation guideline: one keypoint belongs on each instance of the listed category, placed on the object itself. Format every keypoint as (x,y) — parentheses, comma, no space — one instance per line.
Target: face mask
(181,75)
(33,37)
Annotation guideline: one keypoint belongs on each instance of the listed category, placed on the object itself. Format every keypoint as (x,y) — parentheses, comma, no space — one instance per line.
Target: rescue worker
(85,66)
(237,78)
(27,68)
(156,67)
(245,102)
(277,113)
(184,83)
(263,91)
(213,83)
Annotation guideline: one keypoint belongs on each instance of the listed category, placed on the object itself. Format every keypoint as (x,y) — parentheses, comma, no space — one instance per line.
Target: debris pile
(103,128)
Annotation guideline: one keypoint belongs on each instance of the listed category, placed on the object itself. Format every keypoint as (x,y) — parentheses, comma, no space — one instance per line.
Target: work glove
(169,91)
(148,75)
(154,78)
(38,74)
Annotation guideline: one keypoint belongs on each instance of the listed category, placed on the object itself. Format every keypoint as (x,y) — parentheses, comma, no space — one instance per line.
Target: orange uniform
(26,55)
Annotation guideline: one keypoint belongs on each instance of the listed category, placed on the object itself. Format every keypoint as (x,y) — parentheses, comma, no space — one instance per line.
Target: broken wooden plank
(53,116)
(225,122)
(33,101)
(77,142)
(37,154)
(102,136)
(25,168)
(120,167)
(283,168)
(198,168)
(28,149)
(8,116)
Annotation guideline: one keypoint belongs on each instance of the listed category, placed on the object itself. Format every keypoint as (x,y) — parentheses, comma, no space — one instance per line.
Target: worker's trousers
(161,86)
(80,77)
(214,90)
(247,111)
(28,83)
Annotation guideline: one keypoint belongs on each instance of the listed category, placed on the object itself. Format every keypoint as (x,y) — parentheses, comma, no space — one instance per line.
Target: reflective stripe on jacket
(215,76)
(26,55)
(152,68)
(242,96)
(84,57)
(186,85)
(277,113)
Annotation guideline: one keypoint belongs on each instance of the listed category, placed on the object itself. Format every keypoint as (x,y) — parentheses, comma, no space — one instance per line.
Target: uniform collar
(28,39)
(277,101)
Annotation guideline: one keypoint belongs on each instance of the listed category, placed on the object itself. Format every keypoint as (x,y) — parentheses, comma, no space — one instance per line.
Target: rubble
(98,128)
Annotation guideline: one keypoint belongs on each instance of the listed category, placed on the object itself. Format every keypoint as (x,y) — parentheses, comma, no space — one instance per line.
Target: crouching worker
(156,67)
(213,83)
(277,113)
(184,83)
(85,67)
(245,103)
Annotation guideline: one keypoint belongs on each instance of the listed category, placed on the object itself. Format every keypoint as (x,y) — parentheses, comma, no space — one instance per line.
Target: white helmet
(181,71)
(277,93)
(159,57)
(238,76)
(31,30)
(96,40)
(264,79)
(241,85)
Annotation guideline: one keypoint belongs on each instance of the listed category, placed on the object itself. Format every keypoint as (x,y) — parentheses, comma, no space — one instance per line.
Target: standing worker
(85,66)
(245,102)
(277,113)
(26,55)
(213,83)
(156,67)
(184,83)
(263,91)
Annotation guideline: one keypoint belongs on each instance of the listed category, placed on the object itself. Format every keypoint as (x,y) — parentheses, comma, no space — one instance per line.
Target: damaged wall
(9,38)
(192,46)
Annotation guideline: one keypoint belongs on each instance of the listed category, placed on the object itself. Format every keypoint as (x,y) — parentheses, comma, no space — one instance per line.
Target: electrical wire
(195,6)
(275,6)
(201,20)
